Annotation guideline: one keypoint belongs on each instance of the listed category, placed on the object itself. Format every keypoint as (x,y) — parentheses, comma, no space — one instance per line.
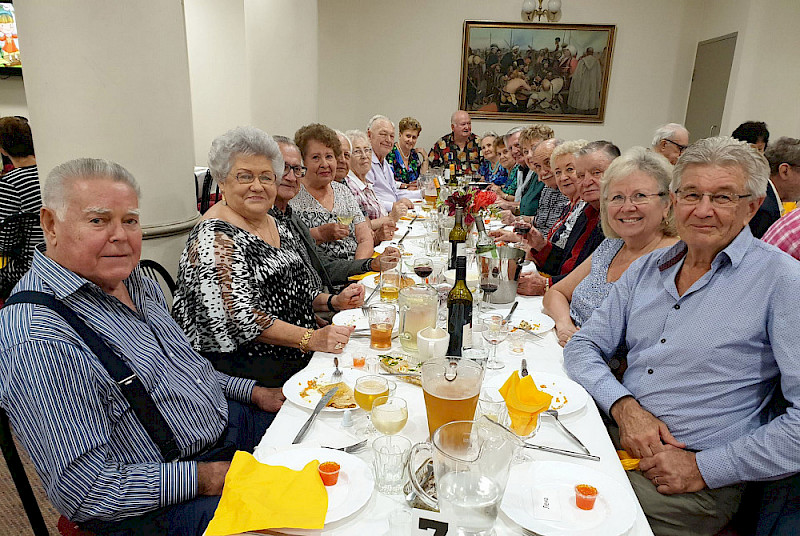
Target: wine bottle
(453,179)
(459,310)
(458,239)
(484,243)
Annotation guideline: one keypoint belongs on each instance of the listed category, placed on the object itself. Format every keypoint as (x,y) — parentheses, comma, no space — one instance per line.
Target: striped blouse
(19,192)
(94,457)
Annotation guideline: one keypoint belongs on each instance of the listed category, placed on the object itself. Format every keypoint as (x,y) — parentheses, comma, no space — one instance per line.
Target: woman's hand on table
(565,331)
(399,209)
(505,235)
(384,232)
(269,399)
(535,239)
(349,298)
(388,253)
(507,217)
(331,339)
(532,284)
(330,232)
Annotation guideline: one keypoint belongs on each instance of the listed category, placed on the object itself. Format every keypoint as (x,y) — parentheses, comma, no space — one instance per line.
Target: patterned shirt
(365,197)
(498,175)
(401,172)
(510,187)
(314,214)
(93,455)
(593,289)
(19,192)
(446,151)
(706,362)
(785,234)
(231,287)
(552,206)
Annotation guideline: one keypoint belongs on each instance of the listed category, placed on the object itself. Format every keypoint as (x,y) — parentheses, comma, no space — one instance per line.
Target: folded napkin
(629,463)
(362,276)
(524,402)
(257,496)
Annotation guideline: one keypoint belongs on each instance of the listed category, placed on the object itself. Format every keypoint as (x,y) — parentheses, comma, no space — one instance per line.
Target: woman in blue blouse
(491,170)
(407,161)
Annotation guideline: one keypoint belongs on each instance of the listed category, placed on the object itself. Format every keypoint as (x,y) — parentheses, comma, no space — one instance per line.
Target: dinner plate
(294,387)
(417,230)
(529,483)
(568,396)
(539,322)
(351,492)
(354,317)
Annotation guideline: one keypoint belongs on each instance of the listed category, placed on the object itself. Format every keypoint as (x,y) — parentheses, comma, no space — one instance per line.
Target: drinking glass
(345,219)
(521,227)
(496,332)
(391,274)
(490,278)
(492,405)
(366,390)
(389,414)
(423,267)
(390,455)
(381,324)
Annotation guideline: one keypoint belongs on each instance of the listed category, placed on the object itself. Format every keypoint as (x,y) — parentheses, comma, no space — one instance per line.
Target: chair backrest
(207,199)
(155,271)
(15,249)
(20,478)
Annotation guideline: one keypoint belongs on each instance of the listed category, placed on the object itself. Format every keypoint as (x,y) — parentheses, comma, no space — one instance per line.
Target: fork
(553,413)
(365,306)
(337,374)
(350,448)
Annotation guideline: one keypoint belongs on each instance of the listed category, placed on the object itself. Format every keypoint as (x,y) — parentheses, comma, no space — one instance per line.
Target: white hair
(568,147)
(249,141)
(375,118)
(54,191)
(511,132)
(343,135)
(354,135)
(667,132)
(724,151)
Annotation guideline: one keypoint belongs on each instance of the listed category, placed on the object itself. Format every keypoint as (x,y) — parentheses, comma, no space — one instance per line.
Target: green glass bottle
(484,243)
(458,239)
(459,310)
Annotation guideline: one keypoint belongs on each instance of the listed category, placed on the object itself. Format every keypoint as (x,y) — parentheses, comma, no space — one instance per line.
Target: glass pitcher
(451,386)
(419,305)
(471,462)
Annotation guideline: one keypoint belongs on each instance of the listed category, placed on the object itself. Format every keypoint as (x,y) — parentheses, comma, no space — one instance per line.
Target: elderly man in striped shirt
(144,454)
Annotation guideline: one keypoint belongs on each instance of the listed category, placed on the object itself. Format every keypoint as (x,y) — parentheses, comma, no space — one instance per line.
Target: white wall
(12,97)
(403,58)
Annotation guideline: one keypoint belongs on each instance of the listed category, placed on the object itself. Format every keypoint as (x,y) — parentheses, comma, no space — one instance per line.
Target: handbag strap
(142,404)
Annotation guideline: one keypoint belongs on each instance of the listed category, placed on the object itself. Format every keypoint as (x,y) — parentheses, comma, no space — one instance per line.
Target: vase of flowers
(474,202)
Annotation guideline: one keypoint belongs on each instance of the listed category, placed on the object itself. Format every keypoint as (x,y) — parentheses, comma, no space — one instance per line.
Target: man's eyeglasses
(299,171)
(680,147)
(247,178)
(721,199)
(362,152)
(636,199)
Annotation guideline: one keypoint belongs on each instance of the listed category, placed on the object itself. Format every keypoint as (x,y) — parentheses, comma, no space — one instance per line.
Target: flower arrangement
(472,200)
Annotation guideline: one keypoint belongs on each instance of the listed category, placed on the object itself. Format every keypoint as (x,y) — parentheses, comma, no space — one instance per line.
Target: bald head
(541,161)
(461,125)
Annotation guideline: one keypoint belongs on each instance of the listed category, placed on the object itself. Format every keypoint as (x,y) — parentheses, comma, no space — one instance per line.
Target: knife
(404,235)
(523,371)
(564,452)
(321,404)
(511,312)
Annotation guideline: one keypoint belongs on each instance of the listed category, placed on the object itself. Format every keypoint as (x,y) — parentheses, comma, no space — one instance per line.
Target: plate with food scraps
(372,281)
(413,212)
(307,387)
(417,230)
(568,396)
(354,317)
(548,506)
(537,323)
(399,364)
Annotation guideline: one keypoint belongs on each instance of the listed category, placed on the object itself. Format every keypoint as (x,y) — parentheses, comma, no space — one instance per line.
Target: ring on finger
(655,481)
(339,346)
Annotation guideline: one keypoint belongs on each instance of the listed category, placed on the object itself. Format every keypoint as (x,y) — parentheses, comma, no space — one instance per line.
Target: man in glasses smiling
(670,141)
(710,337)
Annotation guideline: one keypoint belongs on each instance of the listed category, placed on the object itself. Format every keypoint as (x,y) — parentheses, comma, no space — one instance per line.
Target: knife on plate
(511,312)
(321,404)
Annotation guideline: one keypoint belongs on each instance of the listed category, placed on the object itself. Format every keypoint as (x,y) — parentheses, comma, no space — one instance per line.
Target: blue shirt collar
(734,251)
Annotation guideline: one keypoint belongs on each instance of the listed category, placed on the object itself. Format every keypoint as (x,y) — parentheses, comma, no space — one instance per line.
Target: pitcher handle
(402,330)
(412,476)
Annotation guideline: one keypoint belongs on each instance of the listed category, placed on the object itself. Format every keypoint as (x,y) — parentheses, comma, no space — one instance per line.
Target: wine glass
(496,332)
(389,414)
(521,227)
(345,219)
(423,267)
(366,390)
(490,278)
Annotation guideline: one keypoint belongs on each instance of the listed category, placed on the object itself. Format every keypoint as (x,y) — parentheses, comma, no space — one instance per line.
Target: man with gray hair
(670,141)
(709,339)
(130,430)
(380,131)
(784,184)
(459,148)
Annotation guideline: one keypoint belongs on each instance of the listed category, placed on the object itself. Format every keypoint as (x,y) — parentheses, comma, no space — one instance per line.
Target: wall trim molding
(169,229)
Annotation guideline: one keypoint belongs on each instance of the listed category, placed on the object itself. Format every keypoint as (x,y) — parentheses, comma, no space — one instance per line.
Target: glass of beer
(391,277)
(366,391)
(451,387)
(381,324)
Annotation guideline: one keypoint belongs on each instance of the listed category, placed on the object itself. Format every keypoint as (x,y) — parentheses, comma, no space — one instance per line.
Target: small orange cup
(585,495)
(329,472)
(358,361)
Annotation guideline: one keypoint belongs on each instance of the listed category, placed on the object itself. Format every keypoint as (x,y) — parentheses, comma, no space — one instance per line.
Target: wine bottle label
(461,249)
(446,176)
(466,339)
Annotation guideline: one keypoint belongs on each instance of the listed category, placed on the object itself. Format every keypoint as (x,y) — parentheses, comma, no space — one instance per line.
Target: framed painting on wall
(536,72)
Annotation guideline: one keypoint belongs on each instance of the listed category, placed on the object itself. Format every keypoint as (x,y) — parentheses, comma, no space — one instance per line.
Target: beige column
(110,79)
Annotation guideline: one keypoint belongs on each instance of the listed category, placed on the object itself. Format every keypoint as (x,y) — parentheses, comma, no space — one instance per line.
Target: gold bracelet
(305,339)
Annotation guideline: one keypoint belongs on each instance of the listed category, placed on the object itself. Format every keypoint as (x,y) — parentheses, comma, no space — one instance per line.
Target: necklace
(406,158)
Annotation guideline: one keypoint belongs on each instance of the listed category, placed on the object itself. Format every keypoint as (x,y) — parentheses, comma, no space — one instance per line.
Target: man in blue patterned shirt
(711,330)
(98,464)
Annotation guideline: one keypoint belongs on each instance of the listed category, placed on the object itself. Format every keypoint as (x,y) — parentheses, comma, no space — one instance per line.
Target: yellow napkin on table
(257,496)
(362,276)
(524,402)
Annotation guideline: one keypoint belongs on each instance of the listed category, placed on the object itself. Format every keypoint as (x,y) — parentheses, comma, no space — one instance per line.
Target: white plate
(295,385)
(568,396)
(354,317)
(613,514)
(417,230)
(351,492)
(545,322)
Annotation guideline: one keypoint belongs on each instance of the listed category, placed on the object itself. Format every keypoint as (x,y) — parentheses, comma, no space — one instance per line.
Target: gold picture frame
(536,72)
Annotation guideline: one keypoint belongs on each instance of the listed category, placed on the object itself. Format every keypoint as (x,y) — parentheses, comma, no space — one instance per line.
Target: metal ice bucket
(511,260)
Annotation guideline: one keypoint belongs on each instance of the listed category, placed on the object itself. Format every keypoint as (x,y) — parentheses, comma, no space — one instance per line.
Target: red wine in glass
(488,288)
(522,228)
(423,271)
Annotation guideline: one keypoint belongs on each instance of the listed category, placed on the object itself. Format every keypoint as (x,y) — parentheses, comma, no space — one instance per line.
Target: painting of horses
(536,72)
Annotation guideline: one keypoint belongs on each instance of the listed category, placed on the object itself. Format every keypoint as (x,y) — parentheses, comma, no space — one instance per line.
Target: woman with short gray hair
(245,302)
(637,218)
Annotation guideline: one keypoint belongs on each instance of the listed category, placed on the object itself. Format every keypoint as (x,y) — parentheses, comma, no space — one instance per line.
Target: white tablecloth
(542,353)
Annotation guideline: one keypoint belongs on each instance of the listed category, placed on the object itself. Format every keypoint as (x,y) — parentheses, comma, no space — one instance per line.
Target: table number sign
(427,523)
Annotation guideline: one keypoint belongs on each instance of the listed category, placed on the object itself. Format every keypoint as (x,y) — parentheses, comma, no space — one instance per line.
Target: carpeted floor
(13,521)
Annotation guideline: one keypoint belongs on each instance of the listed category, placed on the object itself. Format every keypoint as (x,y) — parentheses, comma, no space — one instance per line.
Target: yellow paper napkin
(257,496)
(524,403)
(362,276)
(629,463)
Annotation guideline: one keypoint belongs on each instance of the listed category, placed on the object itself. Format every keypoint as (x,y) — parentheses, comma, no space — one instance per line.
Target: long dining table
(543,354)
